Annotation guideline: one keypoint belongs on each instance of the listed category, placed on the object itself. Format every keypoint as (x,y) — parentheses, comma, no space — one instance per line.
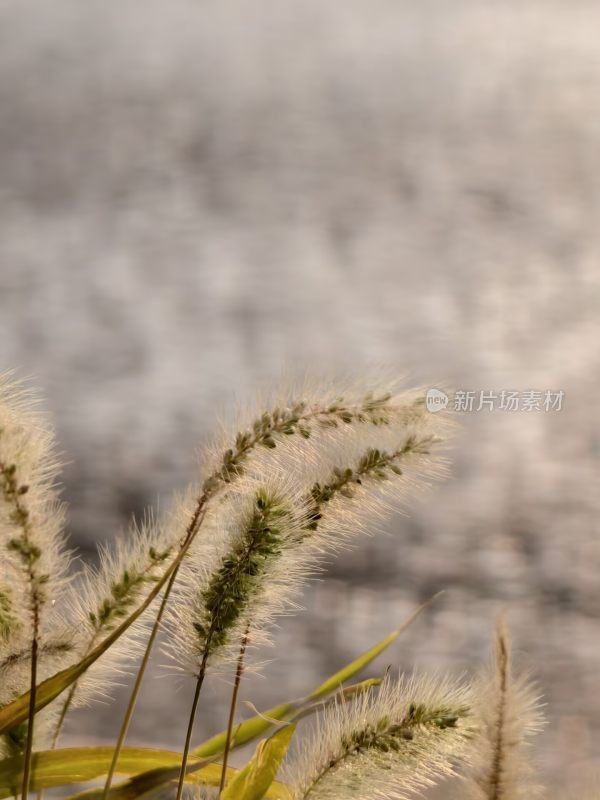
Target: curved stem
(59,726)
(234,697)
(191,531)
(62,717)
(190,727)
(31,716)
(67,705)
(136,687)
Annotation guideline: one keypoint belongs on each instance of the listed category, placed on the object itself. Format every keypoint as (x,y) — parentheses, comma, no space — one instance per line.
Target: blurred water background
(196,197)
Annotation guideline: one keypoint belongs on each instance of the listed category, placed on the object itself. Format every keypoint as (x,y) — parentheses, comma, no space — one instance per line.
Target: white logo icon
(436,400)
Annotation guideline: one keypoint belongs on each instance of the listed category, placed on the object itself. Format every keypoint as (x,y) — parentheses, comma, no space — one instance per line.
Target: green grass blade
(70,765)
(207,776)
(345,674)
(253,781)
(259,725)
(78,764)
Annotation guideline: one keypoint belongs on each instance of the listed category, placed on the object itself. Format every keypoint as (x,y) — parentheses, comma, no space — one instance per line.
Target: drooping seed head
(341,477)
(243,570)
(103,597)
(389,743)
(32,546)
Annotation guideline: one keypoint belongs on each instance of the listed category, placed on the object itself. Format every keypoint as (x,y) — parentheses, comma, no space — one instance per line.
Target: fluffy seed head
(301,413)
(105,596)
(56,651)
(389,743)
(32,555)
(242,571)
(356,459)
(508,710)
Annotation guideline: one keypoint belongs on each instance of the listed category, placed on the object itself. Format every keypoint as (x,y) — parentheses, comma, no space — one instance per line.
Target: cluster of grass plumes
(304,477)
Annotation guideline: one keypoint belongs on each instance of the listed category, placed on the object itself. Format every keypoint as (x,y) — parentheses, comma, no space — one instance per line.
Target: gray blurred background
(196,197)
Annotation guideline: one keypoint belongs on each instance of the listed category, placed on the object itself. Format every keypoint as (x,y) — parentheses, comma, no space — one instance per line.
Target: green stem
(65,708)
(136,687)
(190,727)
(234,697)
(191,531)
(31,716)
(60,723)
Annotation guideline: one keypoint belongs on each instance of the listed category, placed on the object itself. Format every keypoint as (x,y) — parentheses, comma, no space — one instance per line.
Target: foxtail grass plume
(206,622)
(34,561)
(233,457)
(389,743)
(108,594)
(248,567)
(33,558)
(104,597)
(243,570)
(291,415)
(295,420)
(355,468)
(366,478)
(249,455)
(508,709)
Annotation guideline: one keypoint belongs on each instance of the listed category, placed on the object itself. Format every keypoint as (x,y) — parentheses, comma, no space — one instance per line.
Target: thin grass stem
(31,716)
(234,698)
(136,688)
(190,727)
(193,527)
